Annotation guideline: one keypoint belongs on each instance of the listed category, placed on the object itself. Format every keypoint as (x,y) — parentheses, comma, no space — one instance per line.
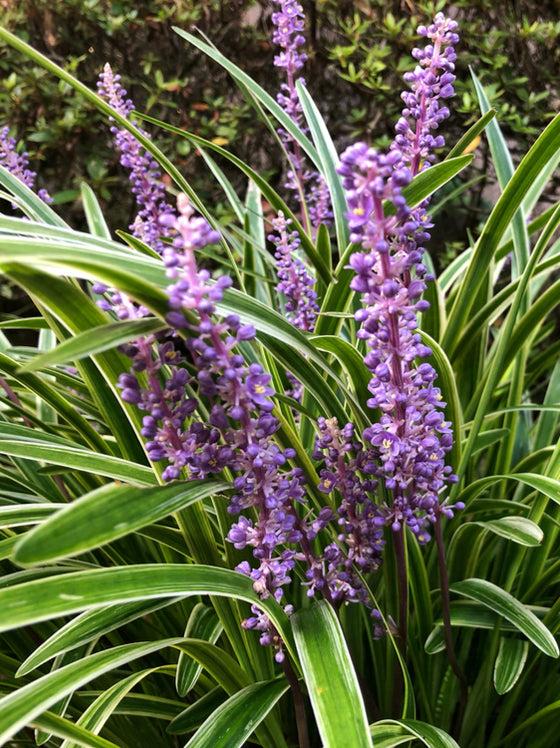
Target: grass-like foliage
(271,482)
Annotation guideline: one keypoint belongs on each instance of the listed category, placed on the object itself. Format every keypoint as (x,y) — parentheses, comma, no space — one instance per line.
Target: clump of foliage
(283,485)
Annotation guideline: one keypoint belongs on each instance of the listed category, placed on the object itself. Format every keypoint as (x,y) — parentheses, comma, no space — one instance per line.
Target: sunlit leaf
(101,516)
(489,594)
(330,677)
(232,723)
(392,732)
(519,529)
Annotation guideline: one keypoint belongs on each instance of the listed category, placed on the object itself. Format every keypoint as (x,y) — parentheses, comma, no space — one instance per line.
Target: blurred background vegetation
(358,52)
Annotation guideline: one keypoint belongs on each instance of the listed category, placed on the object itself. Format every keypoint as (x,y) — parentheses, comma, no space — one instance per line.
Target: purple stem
(446,616)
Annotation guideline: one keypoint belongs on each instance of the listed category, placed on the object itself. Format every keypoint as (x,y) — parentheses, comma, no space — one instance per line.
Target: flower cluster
(238,432)
(145,176)
(288,35)
(199,362)
(171,432)
(411,436)
(18,163)
(360,524)
(239,429)
(431,81)
(308,186)
(295,281)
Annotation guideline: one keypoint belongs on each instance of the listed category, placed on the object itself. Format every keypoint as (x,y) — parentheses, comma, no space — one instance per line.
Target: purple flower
(239,429)
(359,545)
(296,282)
(17,163)
(411,437)
(288,35)
(258,387)
(151,223)
(308,186)
(430,82)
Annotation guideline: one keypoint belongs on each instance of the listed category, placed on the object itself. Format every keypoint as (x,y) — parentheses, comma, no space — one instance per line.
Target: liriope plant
(283,431)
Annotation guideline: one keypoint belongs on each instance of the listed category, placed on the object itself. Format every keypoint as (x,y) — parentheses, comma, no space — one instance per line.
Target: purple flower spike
(288,34)
(295,281)
(430,82)
(289,23)
(411,437)
(17,163)
(360,523)
(145,177)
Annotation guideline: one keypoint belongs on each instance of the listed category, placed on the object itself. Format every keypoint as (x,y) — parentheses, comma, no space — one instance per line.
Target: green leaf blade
(106,514)
(509,663)
(331,680)
(233,722)
(23,705)
(507,606)
(519,529)
(393,732)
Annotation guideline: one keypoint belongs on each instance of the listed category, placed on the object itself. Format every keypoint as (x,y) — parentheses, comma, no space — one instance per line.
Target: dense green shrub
(358,53)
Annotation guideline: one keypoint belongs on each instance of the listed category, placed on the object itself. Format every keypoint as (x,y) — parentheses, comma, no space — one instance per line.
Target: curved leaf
(80,459)
(232,678)
(509,664)
(330,677)
(329,158)
(536,159)
(349,357)
(15,515)
(506,605)
(20,707)
(547,486)
(94,214)
(471,134)
(63,728)
(28,200)
(518,529)
(42,389)
(42,599)
(105,514)
(89,626)
(196,713)
(97,713)
(257,91)
(323,271)
(233,722)
(95,340)
(471,614)
(202,624)
(431,736)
